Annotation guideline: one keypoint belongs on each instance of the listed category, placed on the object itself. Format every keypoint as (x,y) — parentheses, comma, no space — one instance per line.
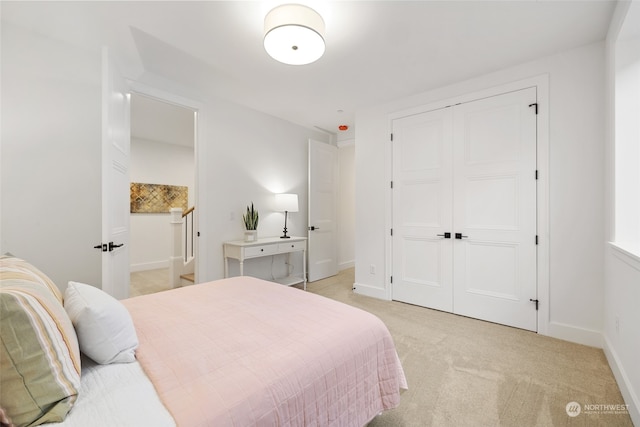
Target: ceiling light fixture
(294,34)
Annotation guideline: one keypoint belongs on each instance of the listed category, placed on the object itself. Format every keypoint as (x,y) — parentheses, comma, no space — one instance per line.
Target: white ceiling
(376,51)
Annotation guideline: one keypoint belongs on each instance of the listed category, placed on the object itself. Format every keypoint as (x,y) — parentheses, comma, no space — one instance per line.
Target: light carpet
(466,372)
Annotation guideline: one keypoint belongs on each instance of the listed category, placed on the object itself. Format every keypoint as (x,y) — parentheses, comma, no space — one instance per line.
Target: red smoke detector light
(343,127)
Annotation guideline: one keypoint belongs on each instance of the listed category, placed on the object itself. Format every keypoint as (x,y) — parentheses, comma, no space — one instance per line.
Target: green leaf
(251,218)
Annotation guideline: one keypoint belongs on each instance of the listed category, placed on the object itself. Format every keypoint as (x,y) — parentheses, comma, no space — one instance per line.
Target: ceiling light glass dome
(294,34)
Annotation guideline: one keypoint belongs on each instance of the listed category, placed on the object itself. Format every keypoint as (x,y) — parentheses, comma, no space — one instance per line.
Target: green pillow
(39,355)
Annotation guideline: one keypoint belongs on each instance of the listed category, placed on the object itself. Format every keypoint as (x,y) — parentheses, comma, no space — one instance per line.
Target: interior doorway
(163,137)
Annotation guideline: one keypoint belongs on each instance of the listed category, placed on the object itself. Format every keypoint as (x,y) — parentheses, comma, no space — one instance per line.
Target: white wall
(576,134)
(246,156)
(622,273)
(51,163)
(154,162)
(51,145)
(346,204)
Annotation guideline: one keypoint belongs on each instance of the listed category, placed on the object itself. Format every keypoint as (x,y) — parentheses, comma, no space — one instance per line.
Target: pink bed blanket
(247,352)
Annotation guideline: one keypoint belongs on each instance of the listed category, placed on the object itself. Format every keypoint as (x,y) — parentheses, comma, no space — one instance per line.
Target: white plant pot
(250,235)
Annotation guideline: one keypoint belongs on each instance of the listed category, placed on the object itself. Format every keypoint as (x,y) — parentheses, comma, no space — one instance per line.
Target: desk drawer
(260,250)
(291,246)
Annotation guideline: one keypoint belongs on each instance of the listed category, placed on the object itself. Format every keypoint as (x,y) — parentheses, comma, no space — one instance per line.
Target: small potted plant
(251,224)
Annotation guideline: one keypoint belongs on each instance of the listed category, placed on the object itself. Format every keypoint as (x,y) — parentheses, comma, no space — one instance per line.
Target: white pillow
(104,326)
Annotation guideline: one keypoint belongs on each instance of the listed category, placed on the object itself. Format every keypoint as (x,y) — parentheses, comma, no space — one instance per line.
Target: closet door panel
(422,269)
(494,209)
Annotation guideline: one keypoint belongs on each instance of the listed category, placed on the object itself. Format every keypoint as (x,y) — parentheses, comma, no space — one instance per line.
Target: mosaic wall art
(158,198)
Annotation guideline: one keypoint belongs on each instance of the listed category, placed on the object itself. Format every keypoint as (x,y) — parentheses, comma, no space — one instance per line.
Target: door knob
(314,228)
(460,236)
(446,235)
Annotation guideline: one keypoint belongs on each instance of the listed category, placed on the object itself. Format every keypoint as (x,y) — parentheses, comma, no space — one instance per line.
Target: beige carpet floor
(149,281)
(465,372)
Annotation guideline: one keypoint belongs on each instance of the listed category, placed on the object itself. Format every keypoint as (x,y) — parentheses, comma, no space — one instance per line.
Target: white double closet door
(464,209)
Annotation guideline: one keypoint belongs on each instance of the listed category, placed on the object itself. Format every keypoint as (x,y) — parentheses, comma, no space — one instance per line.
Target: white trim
(624,383)
(199,196)
(370,291)
(346,143)
(575,334)
(346,265)
(544,292)
(164,96)
(541,83)
(473,96)
(626,253)
(388,217)
(154,265)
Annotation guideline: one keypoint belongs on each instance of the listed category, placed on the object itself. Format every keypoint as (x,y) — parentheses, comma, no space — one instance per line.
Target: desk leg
(242,267)
(304,268)
(226,267)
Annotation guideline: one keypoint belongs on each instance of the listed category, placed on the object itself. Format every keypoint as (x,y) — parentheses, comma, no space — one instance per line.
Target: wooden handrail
(188,211)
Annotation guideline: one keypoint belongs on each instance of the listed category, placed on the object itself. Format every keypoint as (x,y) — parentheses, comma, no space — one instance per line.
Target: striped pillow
(16,268)
(39,355)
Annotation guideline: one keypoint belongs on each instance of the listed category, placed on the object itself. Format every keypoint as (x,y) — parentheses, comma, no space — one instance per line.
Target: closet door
(494,209)
(468,170)
(422,209)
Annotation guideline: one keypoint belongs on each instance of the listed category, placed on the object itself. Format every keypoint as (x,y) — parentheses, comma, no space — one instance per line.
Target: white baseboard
(346,264)
(624,383)
(575,334)
(155,265)
(370,291)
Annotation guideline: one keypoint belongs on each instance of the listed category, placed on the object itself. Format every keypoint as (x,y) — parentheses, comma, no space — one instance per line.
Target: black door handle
(101,246)
(460,236)
(446,235)
(112,246)
(314,228)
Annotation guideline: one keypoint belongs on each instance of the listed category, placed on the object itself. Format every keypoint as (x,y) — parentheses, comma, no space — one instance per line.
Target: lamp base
(284,232)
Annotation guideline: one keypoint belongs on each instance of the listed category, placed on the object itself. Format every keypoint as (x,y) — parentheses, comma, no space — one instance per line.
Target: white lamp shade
(294,34)
(287,202)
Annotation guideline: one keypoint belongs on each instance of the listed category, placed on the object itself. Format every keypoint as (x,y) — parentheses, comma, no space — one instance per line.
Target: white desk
(268,246)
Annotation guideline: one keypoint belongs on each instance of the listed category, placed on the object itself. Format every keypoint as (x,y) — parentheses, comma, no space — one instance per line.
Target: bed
(233,352)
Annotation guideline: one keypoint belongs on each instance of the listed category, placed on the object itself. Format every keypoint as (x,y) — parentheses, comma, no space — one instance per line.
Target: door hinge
(391,184)
(536,173)
(392,231)
(198,234)
(536,239)
(536,301)
(391,136)
(391,279)
(535,104)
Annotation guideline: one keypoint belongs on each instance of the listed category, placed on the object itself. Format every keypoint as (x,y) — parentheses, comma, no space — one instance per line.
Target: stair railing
(188,234)
(182,244)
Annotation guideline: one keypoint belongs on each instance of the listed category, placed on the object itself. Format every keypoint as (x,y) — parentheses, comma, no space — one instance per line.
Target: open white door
(115,180)
(323,189)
